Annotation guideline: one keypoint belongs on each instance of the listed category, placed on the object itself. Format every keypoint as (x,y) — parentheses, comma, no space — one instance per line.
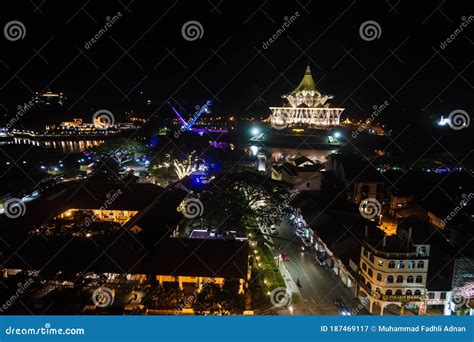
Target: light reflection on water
(64,146)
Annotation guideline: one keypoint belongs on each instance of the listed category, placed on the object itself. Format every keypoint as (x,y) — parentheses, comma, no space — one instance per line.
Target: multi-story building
(393,273)
(307,106)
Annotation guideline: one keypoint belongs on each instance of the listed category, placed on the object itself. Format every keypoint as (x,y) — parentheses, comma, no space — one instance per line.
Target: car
(339,303)
(273,230)
(285,256)
(320,260)
(307,242)
(299,231)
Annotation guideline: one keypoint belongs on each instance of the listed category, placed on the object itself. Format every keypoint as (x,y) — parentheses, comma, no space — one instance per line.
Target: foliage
(216,300)
(121,151)
(239,201)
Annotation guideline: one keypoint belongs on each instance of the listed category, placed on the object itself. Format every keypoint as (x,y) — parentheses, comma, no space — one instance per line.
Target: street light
(290,308)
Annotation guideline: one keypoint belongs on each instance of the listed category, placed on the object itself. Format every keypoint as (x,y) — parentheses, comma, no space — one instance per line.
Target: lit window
(401,264)
(380,263)
(411,264)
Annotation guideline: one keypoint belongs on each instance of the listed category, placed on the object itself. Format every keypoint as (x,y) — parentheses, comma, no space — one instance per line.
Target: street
(319,285)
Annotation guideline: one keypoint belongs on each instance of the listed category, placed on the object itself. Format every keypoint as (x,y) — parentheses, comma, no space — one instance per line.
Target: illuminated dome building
(307,107)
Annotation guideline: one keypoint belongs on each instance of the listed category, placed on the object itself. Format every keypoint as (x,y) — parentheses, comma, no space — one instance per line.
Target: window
(390,279)
(419,279)
(411,264)
(410,279)
(388,292)
(422,251)
(365,252)
(380,262)
(417,293)
(421,264)
(442,295)
(408,293)
(391,264)
(371,258)
(370,272)
(398,292)
(400,279)
(377,290)
(364,266)
(369,285)
(379,277)
(308,185)
(401,264)
(431,295)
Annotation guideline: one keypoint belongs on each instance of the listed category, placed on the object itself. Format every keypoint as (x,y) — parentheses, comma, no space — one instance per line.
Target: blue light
(337,135)
(255,131)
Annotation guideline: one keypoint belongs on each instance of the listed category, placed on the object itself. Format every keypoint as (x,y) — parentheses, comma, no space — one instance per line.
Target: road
(319,285)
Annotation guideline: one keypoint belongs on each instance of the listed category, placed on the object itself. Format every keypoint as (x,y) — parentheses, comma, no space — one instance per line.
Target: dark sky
(144,51)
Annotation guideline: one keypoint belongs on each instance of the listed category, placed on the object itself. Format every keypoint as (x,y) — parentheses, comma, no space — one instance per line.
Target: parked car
(339,303)
(299,231)
(320,260)
(285,256)
(273,230)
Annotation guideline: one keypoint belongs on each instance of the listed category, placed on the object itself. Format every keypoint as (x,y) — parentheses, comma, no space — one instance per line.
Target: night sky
(144,56)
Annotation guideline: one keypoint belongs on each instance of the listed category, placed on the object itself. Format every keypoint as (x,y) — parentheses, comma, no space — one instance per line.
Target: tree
(216,300)
(122,151)
(239,201)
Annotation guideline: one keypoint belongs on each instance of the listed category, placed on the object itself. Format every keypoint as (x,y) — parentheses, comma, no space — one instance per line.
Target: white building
(307,107)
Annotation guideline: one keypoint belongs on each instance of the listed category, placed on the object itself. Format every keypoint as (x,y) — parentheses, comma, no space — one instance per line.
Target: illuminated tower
(307,106)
